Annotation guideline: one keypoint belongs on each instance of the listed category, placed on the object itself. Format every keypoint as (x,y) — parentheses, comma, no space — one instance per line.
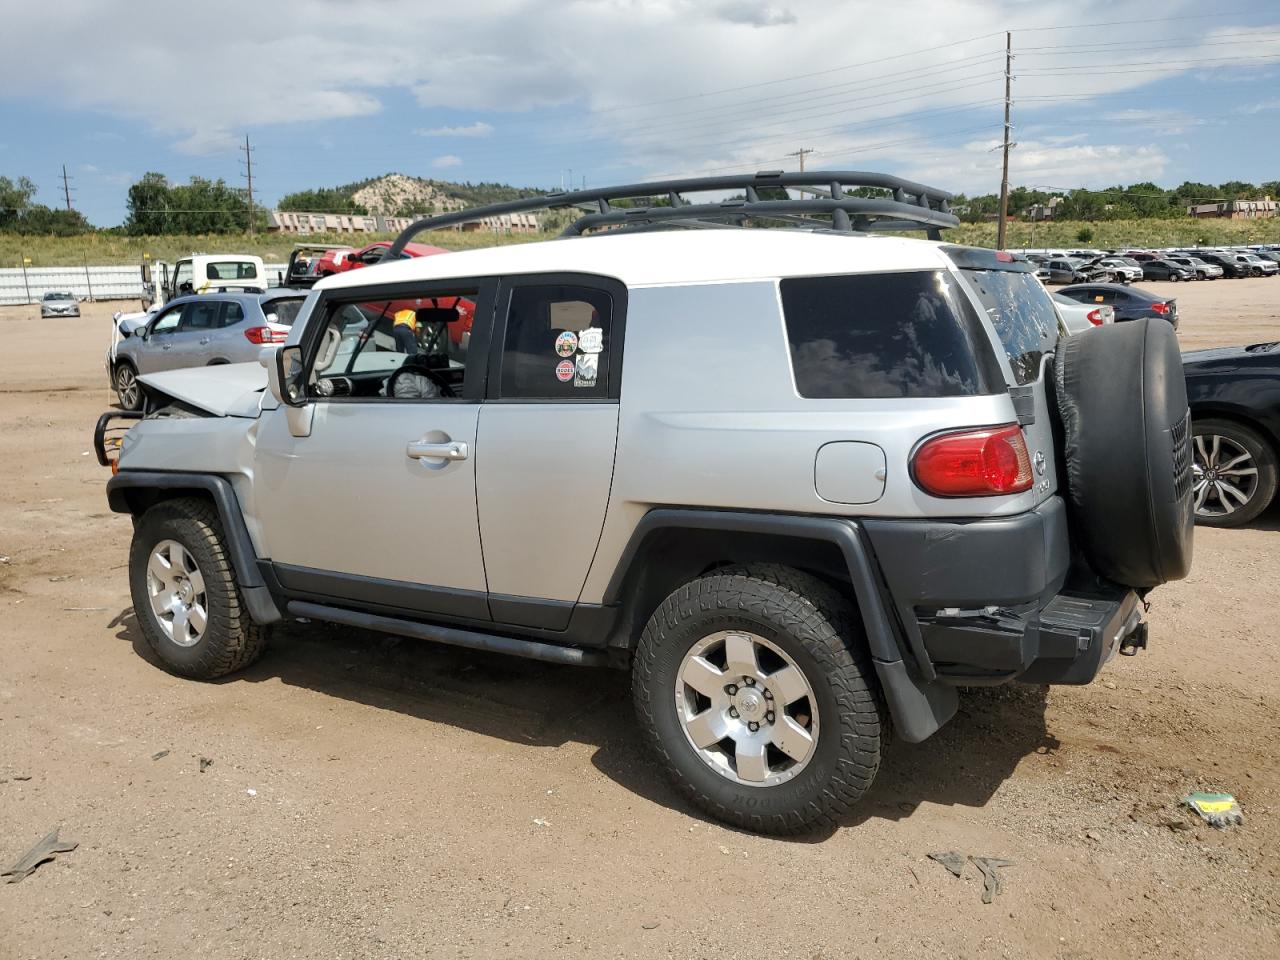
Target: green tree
(15,198)
(148,205)
(39,220)
(322,200)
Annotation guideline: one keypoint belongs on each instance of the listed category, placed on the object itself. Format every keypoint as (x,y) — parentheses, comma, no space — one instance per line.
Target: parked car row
(1126,266)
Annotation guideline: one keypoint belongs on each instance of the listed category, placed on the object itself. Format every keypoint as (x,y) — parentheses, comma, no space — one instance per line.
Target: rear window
(232,270)
(1022,314)
(282,311)
(885,335)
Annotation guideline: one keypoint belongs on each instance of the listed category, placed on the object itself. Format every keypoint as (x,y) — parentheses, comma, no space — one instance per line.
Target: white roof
(668,257)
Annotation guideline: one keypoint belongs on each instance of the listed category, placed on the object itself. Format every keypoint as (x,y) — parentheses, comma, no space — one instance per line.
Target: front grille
(1180,435)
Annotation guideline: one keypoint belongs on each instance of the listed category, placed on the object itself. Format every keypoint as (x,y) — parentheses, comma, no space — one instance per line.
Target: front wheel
(185,594)
(1234,473)
(756,692)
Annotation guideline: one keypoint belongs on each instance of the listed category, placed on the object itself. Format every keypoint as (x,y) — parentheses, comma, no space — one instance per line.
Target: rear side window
(558,343)
(232,313)
(885,335)
(232,270)
(1022,314)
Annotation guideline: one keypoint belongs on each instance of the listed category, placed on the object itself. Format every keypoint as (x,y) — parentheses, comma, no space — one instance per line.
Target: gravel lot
(377,798)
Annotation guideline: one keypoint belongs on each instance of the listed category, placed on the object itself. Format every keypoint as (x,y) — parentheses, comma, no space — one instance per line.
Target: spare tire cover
(1122,400)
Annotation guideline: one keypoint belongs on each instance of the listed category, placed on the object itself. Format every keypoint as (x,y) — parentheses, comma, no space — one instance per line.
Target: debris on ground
(42,852)
(651,925)
(83,609)
(205,764)
(541,822)
(951,860)
(1216,809)
(252,792)
(160,756)
(61,579)
(5,560)
(22,777)
(989,866)
(990,875)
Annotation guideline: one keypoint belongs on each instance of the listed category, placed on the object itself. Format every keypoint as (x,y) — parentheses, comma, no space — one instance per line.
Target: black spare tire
(1122,402)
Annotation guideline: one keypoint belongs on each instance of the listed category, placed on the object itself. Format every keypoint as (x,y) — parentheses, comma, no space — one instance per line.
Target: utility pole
(248,174)
(801,154)
(1004,175)
(66,187)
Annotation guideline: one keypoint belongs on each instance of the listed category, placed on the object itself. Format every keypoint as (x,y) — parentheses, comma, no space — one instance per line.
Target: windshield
(58,296)
(282,310)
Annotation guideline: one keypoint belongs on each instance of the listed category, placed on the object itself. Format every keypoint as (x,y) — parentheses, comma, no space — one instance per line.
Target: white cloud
(1262,106)
(448,160)
(477,129)
(752,13)
(646,94)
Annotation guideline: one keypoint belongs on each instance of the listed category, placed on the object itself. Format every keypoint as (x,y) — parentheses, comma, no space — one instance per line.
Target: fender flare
(918,707)
(258,599)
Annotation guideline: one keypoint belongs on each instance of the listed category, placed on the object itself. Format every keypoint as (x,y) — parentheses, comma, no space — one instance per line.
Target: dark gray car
(201,330)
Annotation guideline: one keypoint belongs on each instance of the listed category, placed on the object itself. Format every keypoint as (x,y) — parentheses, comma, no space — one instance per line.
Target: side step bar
(453,636)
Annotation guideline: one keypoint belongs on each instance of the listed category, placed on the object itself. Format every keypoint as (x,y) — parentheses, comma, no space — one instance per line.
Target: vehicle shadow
(549,705)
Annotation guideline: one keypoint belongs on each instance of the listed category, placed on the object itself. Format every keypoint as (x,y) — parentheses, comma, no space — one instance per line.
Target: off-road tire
(231,639)
(820,631)
(124,367)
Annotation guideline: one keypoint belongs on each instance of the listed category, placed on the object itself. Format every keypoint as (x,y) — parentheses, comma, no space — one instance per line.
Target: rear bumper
(987,601)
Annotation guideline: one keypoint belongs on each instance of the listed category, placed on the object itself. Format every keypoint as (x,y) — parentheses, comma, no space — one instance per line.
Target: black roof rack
(823,193)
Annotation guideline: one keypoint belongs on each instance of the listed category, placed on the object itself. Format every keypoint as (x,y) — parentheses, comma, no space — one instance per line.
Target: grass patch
(103,248)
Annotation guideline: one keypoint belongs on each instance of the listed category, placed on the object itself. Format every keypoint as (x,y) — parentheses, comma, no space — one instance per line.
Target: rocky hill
(396,194)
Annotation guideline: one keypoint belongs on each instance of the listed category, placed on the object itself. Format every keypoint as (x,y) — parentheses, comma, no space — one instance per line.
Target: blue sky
(523,91)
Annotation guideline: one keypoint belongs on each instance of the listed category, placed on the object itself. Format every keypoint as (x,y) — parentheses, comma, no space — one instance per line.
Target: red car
(340,261)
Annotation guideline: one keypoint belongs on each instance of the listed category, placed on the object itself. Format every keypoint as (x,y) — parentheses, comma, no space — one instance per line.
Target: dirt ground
(376,798)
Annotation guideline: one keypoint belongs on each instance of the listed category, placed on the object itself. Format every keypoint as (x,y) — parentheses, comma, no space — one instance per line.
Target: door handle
(166,346)
(452,450)
(204,341)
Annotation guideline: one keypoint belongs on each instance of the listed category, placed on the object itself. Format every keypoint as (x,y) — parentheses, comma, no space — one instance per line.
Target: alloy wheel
(1225,474)
(127,386)
(176,589)
(747,708)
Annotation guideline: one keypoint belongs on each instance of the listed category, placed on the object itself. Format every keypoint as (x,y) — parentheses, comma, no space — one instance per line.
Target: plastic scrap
(951,860)
(42,852)
(1216,809)
(990,875)
(989,866)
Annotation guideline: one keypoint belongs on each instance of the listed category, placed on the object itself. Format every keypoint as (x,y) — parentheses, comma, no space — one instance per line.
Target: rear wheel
(757,695)
(1235,473)
(128,389)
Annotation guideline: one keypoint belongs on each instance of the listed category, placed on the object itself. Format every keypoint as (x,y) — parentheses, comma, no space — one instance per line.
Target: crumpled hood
(224,390)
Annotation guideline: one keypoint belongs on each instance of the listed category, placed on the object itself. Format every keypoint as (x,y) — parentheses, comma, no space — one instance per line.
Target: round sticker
(567,343)
(564,370)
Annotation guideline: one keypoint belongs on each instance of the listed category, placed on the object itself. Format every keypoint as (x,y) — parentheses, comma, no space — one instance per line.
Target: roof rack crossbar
(921,206)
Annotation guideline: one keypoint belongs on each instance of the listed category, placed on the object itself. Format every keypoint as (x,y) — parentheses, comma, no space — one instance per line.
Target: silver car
(59,303)
(198,331)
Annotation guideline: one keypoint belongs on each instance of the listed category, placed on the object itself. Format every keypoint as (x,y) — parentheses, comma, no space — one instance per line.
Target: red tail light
(1160,308)
(974,463)
(1095,317)
(265,335)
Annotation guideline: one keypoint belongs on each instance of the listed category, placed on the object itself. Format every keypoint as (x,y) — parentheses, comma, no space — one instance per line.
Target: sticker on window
(587,369)
(567,343)
(591,340)
(564,371)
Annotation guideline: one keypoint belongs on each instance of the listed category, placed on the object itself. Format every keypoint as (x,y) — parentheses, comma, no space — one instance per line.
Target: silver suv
(197,330)
(803,483)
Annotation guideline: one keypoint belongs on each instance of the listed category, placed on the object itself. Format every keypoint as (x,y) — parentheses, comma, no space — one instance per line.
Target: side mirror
(287,386)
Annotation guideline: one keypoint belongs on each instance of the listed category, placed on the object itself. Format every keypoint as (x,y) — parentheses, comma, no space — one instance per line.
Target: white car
(1079,317)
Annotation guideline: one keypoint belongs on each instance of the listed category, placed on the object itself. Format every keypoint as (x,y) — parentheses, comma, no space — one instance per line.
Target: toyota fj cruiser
(804,483)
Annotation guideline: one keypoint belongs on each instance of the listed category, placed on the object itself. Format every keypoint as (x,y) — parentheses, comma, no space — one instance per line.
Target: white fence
(88,282)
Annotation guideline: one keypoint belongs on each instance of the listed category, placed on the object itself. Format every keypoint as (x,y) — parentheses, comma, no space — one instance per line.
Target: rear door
(546,442)
(1026,327)
(189,346)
